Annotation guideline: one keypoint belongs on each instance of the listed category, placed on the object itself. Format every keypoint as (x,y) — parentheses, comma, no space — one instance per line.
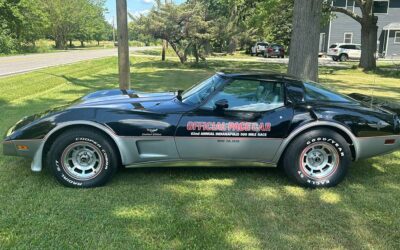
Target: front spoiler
(26,148)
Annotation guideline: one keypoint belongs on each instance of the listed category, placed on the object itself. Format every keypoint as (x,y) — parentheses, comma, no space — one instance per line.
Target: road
(11,65)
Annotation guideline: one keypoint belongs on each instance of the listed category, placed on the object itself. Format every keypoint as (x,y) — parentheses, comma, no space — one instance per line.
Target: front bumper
(24,148)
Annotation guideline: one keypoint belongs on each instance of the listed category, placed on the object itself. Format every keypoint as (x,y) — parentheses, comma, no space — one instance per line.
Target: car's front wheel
(82,158)
(317,158)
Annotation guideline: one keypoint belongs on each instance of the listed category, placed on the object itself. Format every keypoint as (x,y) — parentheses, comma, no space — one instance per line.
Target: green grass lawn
(190,208)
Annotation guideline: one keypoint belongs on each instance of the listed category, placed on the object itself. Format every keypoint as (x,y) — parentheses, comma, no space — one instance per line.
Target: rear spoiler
(379,102)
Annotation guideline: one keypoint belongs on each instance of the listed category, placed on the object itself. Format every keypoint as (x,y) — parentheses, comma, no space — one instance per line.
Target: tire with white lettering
(317,158)
(82,158)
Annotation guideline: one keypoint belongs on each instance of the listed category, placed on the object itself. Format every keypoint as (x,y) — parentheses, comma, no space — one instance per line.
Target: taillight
(334,50)
(269,49)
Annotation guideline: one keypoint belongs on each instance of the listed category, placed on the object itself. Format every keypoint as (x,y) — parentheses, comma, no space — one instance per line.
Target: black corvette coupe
(312,132)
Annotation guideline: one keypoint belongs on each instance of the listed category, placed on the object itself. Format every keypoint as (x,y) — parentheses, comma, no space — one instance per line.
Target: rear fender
(286,142)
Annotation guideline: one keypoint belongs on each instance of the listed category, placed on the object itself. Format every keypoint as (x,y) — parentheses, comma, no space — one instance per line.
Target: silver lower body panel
(374,146)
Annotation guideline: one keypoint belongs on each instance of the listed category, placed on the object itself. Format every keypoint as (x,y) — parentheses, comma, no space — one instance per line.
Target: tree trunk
(164,47)
(70,43)
(60,43)
(82,44)
(303,59)
(196,53)
(369,37)
(182,56)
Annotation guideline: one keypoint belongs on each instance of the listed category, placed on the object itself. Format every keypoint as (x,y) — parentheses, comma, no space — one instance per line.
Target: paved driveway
(23,63)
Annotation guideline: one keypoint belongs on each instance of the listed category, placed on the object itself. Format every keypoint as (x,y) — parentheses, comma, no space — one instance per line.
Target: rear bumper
(24,148)
(374,146)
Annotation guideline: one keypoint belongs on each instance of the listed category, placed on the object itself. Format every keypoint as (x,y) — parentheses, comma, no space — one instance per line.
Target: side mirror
(221,104)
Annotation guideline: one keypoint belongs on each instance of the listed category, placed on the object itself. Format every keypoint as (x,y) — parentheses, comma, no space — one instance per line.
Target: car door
(251,126)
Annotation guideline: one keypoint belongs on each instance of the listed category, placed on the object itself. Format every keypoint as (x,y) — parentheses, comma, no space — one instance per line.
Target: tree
(89,21)
(22,23)
(102,31)
(183,26)
(278,16)
(233,22)
(136,28)
(73,19)
(303,61)
(369,31)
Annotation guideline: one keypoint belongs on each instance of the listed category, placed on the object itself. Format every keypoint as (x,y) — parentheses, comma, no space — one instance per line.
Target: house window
(339,3)
(350,5)
(380,7)
(348,38)
(397,37)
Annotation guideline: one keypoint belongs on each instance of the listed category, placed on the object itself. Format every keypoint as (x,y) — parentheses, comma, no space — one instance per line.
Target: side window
(317,92)
(250,95)
(295,92)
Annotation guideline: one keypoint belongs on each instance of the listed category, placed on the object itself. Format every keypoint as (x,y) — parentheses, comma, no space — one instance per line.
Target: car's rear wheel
(318,158)
(82,158)
(343,57)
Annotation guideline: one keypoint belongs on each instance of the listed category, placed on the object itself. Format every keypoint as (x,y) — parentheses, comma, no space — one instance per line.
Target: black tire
(299,167)
(334,58)
(282,56)
(343,57)
(265,55)
(92,147)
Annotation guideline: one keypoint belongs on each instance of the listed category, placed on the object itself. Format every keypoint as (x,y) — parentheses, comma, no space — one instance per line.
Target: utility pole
(113,28)
(123,45)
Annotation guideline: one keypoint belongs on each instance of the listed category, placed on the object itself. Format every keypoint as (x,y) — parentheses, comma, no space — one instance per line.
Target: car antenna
(372,91)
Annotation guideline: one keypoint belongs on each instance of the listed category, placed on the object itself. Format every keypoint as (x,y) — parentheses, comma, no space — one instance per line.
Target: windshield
(198,93)
(318,92)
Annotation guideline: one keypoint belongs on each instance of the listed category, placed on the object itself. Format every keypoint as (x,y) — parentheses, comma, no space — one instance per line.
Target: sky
(135,7)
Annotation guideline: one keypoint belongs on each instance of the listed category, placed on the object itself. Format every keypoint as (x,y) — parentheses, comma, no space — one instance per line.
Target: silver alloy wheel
(82,161)
(319,160)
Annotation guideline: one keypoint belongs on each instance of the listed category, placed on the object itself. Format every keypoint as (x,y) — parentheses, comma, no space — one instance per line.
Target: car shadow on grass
(256,208)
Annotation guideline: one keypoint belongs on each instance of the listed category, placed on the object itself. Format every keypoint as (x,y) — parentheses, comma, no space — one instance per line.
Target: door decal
(234,129)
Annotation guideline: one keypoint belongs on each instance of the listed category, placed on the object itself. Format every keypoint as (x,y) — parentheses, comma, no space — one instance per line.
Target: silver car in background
(344,51)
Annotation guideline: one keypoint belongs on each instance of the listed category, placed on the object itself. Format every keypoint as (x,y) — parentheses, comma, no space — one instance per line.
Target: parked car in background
(275,50)
(259,48)
(344,51)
